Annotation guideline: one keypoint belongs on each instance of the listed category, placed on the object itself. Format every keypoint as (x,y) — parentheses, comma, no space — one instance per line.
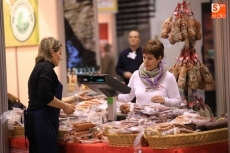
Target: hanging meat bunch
(190,72)
(181,25)
(199,105)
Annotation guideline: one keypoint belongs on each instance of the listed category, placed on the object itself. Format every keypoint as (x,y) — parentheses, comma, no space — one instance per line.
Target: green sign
(109,100)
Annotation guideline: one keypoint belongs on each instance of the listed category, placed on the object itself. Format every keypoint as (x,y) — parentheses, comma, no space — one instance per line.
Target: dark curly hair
(154,47)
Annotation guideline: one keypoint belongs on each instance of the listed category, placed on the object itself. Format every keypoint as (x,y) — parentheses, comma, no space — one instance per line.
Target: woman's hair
(12,98)
(107,47)
(154,47)
(14,102)
(45,47)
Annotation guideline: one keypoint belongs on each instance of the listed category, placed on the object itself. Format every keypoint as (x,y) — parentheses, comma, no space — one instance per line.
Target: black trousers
(41,128)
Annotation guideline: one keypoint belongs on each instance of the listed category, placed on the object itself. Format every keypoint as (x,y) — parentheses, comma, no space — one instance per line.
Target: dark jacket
(128,64)
(108,64)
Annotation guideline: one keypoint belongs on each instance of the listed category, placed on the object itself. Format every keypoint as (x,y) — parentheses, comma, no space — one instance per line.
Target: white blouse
(167,88)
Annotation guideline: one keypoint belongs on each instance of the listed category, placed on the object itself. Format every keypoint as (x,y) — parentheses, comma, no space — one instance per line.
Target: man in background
(108,61)
(131,58)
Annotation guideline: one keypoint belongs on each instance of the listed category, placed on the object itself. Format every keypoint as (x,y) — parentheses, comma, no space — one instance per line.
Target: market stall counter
(106,148)
(107,85)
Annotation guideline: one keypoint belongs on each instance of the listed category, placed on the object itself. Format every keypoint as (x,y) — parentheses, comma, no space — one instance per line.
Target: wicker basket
(186,140)
(18,131)
(123,140)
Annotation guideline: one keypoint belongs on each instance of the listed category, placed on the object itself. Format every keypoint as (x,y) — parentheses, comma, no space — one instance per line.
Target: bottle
(90,70)
(86,70)
(76,79)
(77,72)
(97,69)
(93,70)
(74,76)
(80,70)
(69,76)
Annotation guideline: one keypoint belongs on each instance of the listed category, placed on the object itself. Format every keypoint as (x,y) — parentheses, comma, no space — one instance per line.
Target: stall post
(186,45)
(4,142)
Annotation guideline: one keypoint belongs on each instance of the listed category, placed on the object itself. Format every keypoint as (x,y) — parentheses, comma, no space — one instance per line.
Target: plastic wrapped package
(12,116)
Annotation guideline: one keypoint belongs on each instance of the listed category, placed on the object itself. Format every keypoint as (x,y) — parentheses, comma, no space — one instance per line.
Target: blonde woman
(45,99)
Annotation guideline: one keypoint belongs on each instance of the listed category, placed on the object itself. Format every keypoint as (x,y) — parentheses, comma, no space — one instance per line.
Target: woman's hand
(82,96)
(158,99)
(68,109)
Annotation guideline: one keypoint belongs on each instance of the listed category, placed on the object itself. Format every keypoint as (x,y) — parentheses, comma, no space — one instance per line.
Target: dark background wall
(133,15)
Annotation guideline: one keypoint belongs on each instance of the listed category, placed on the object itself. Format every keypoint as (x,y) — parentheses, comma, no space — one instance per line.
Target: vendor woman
(45,99)
(152,84)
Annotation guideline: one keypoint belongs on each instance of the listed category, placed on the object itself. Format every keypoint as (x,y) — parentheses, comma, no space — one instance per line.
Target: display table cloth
(105,148)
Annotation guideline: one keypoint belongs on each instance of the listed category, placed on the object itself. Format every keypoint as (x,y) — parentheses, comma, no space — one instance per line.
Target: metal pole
(96,34)
(4,139)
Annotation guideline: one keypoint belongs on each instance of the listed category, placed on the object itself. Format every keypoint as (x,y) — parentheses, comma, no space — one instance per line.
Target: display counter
(105,148)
